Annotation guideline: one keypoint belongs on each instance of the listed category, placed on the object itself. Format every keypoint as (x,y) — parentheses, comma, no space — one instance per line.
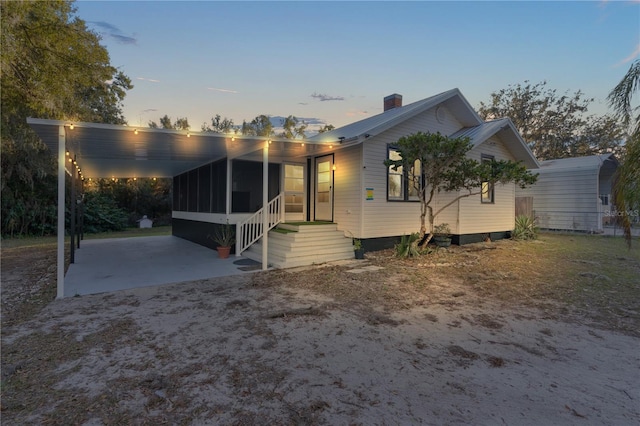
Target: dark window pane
(204,188)
(193,191)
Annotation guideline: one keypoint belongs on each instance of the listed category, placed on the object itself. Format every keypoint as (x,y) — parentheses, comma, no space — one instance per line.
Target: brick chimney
(392,101)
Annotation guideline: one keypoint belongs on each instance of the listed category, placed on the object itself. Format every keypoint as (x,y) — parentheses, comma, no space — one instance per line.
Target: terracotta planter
(223,252)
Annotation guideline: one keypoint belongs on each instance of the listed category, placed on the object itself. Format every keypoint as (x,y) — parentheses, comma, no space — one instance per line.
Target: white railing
(250,230)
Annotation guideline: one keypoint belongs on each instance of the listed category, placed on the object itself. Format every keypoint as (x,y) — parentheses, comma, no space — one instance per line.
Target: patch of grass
(52,240)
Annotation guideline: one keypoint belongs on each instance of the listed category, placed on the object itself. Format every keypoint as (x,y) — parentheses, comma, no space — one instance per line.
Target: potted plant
(442,235)
(357,248)
(223,236)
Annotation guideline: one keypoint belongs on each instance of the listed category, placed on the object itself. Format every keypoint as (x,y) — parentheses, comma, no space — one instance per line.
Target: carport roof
(107,150)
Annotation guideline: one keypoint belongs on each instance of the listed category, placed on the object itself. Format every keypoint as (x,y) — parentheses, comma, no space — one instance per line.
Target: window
(404,183)
(605,199)
(488,193)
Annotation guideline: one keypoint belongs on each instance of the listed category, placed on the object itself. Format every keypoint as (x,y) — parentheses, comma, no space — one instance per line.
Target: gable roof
(475,127)
(377,124)
(507,132)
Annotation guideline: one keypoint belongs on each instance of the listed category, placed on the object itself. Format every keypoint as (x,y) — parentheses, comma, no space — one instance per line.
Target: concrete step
(298,248)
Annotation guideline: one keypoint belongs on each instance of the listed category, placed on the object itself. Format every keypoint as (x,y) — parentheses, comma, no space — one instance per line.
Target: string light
(71,126)
(135,132)
(188,134)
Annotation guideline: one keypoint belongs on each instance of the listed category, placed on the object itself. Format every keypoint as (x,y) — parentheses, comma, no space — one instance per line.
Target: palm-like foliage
(621,95)
(626,188)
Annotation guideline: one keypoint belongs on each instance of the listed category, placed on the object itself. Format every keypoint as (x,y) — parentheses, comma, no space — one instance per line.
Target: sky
(334,62)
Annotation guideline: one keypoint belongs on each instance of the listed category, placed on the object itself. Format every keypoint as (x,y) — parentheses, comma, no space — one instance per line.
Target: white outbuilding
(573,194)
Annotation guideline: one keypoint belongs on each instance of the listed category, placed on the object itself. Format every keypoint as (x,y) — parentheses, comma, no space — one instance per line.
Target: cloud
(322,97)
(356,113)
(222,90)
(631,57)
(111,31)
(303,103)
(148,79)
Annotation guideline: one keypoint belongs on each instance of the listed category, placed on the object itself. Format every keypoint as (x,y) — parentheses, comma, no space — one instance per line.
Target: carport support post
(265,206)
(61,176)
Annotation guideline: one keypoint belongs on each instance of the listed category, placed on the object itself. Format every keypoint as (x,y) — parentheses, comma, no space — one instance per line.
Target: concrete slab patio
(124,263)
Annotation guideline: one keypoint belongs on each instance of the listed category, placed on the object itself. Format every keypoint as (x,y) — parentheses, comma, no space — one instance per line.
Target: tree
(621,95)
(259,126)
(554,125)
(219,125)
(291,128)
(53,67)
(626,187)
(440,163)
(165,123)
(326,128)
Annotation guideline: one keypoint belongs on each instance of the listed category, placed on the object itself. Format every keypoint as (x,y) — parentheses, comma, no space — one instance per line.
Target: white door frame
(297,216)
(323,188)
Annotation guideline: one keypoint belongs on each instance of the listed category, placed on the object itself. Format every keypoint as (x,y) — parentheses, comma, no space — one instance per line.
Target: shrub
(525,229)
(408,246)
(102,214)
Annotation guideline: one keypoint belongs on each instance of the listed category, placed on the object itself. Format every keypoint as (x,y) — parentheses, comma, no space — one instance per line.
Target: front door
(324,188)
(294,189)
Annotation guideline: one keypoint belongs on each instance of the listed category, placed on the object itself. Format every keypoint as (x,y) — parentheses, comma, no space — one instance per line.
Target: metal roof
(588,162)
(507,132)
(105,150)
(379,123)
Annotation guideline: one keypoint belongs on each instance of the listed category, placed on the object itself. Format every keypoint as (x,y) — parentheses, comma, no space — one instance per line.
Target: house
(348,183)
(573,193)
(318,193)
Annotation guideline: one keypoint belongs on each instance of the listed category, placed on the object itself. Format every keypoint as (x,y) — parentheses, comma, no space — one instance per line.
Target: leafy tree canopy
(219,125)
(293,128)
(554,125)
(326,128)
(53,67)
(259,126)
(445,166)
(165,123)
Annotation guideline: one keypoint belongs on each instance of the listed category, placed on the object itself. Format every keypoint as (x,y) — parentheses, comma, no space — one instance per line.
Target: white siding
(477,217)
(348,191)
(565,199)
(382,218)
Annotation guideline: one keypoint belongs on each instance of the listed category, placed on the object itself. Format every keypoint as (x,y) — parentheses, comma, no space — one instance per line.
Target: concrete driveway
(123,263)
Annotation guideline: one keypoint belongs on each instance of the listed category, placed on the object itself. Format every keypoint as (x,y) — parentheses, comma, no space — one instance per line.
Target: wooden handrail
(250,230)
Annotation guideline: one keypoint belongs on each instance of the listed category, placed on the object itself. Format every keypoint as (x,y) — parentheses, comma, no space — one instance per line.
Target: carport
(122,263)
(94,150)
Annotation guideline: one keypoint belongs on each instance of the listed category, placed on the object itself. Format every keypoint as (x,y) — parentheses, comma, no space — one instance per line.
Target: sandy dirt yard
(439,340)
